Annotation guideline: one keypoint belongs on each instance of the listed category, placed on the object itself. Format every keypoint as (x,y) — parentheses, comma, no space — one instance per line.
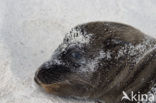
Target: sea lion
(101,61)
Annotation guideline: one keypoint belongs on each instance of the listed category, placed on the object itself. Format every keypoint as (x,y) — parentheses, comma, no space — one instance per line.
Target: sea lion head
(94,60)
(70,70)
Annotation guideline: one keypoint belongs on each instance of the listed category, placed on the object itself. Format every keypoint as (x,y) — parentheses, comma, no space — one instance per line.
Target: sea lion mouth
(63,88)
(68,89)
(52,88)
(50,75)
(48,87)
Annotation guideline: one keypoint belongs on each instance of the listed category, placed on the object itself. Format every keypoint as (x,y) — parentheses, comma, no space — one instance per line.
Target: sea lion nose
(51,74)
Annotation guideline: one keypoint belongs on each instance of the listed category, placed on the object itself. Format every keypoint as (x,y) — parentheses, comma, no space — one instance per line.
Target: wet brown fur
(114,76)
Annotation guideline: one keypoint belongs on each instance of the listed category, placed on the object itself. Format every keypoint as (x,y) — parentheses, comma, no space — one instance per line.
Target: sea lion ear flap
(145,71)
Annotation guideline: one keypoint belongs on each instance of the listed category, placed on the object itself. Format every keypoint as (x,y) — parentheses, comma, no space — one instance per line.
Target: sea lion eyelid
(69,51)
(76,55)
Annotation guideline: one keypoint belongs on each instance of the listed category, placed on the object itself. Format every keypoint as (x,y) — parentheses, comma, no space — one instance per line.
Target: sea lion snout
(50,74)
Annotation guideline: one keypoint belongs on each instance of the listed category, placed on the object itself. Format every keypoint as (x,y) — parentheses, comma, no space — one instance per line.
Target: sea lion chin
(100,60)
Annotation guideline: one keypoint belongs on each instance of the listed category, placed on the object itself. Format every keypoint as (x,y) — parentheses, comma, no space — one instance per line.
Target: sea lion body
(100,60)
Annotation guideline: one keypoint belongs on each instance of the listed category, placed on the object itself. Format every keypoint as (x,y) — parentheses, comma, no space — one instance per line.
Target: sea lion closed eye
(101,61)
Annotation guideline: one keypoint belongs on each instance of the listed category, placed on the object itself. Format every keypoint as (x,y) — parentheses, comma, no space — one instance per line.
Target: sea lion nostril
(52,74)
